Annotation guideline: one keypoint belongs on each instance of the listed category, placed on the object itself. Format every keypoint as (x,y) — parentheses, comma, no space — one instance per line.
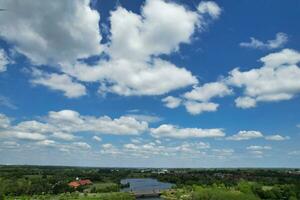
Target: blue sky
(150,83)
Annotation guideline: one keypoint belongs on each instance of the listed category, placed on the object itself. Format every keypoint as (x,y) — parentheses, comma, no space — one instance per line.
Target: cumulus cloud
(280,40)
(196,108)
(4,121)
(245,135)
(97,138)
(171,102)
(198,99)
(171,131)
(64,124)
(223,153)
(135,45)
(207,91)
(47,143)
(258,148)
(258,151)
(59,82)
(245,102)
(277,137)
(210,8)
(57,35)
(278,79)
(149,149)
(56,32)
(146,117)
(4,61)
(82,145)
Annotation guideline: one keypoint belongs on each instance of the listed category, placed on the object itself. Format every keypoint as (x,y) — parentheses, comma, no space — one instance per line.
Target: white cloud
(142,78)
(196,108)
(110,149)
(64,124)
(258,148)
(98,139)
(63,136)
(5,101)
(209,7)
(171,102)
(60,82)
(277,137)
(48,143)
(131,32)
(245,135)
(146,118)
(155,149)
(208,91)
(72,121)
(4,121)
(56,32)
(4,60)
(294,153)
(278,79)
(82,145)
(168,130)
(258,151)
(9,145)
(223,153)
(280,40)
(197,100)
(245,102)
(135,44)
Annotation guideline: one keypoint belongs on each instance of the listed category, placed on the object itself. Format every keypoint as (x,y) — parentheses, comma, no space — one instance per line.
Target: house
(85,182)
(76,184)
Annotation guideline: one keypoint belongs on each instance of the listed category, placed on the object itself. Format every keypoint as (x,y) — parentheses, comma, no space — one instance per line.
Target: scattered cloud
(258,148)
(278,79)
(60,82)
(280,40)
(258,151)
(56,32)
(130,33)
(245,135)
(294,153)
(9,145)
(171,131)
(97,138)
(146,117)
(209,7)
(4,61)
(171,102)
(208,91)
(65,123)
(196,108)
(5,101)
(197,100)
(223,153)
(277,137)
(245,102)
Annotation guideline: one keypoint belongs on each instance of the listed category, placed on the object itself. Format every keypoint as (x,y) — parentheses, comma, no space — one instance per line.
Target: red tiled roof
(74,184)
(85,182)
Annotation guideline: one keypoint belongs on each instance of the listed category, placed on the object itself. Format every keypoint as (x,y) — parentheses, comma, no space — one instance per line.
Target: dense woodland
(32,182)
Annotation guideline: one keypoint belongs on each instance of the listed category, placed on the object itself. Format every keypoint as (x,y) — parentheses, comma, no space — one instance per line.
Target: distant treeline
(197,184)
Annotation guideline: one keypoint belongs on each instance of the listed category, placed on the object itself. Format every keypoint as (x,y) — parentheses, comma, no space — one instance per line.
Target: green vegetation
(51,183)
(79,196)
(243,191)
